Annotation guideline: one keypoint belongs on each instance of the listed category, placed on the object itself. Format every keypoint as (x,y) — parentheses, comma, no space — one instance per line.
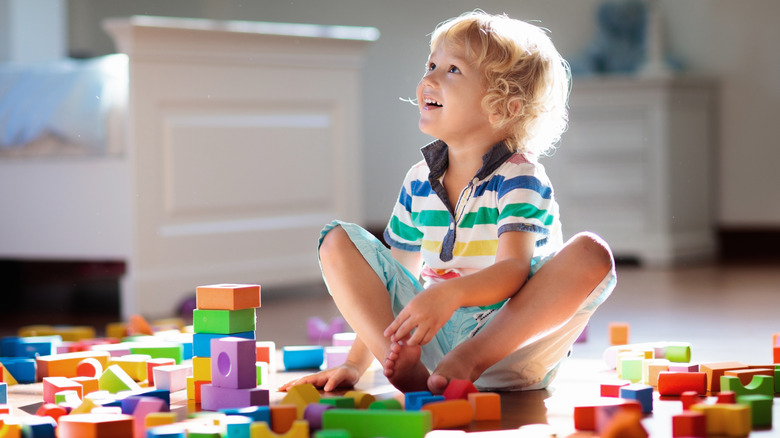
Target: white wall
(733,41)
(32,30)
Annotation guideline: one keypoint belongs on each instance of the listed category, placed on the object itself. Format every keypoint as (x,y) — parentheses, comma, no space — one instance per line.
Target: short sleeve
(401,231)
(525,203)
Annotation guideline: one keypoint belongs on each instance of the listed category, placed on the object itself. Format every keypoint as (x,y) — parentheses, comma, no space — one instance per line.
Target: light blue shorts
(531,367)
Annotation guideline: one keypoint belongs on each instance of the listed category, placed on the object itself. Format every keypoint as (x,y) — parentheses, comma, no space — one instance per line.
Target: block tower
(224,370)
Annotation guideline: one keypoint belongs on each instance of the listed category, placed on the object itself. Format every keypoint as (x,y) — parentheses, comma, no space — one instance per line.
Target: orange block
(745,376)
(619,333)
(715,370)
(95,426)
(139,326)
(486,405)
(585,415)
(447,414)
(283,417)
(675,383)
(228,296)
(66,364)
(90,384)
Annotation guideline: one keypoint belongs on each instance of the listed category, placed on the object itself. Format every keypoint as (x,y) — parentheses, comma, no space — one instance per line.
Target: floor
(728,312)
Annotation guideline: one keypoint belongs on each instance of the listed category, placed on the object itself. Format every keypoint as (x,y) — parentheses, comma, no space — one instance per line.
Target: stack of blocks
(224,348)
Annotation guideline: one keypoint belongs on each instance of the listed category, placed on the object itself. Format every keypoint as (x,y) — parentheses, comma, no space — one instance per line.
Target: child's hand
(425,314)
(342,376)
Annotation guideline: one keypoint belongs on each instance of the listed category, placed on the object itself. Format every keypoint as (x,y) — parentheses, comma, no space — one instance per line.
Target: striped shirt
(511,192)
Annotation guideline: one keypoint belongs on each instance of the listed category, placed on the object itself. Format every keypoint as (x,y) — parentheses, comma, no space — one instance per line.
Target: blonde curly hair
(528,81)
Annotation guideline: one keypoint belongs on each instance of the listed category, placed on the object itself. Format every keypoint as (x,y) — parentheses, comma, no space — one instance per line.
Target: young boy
(503,299)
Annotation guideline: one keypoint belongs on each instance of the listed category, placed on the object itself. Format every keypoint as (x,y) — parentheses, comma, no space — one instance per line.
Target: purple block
(214,398)
(320,332)
(335,356)
(684,367)
(233,363)
(313,414)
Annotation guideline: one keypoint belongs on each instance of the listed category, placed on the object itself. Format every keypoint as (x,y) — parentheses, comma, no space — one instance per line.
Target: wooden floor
(728,312)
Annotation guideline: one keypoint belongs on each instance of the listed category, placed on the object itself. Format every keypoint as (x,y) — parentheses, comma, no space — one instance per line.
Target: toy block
(619,333)
(171,377)
(53,385)
(299,429)
(716,369)
(233,363)
(451,413)
(385,423)
(319,331)
(66,365)
(339,402)
(22,369)
(412,400)
(583,336)
(627,355)
(344,339)
(227,296)
(335,356)
(624,424)
(678,352)
(726,397)
(684,367)
(303,357)
(300,396)
(3,393)
(641,393)
(283,417)
(144,407)
(332,433)
(631,368)
(201,342)
(156,362)
(607,414)
(214,398)
(746,376)
(362,399)
(760,409)
(38,427)
(486,406)
(8,378)
(159,350)
(226,322)
(672,383)
(776,354)
(10,430)
(612,389)
(167,431)
(114,379)
(197,390)
(154,419)
(266,352)
(459,389)
(85,407)
(689,424)
(33,346)
(4,408)
(95,426)
(89,367)
(51,410)
(313,414)
(139,326)
(388,403)
(236,426)
(651,368)
(728,420)
(256,413)
(262,374)
(67,397)
(201,368)
(760,384)
(133,364)
(585,415)
(690,398)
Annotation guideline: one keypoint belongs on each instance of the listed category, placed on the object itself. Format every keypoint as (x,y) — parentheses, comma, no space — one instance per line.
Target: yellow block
(299,429)
(301,396)
(133,364)
(201,368)
(160,418)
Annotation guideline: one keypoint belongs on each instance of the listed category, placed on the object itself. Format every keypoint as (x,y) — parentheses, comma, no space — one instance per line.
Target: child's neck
(464,163)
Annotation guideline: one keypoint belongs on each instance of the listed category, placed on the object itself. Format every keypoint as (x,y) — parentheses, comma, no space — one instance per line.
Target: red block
(459,389)
(689,424)
(152,363)
(689,398)
(612,389)
(727,397)
(588,417)
(673,383)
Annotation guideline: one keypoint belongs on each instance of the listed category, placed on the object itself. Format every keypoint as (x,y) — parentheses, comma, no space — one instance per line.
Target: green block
(631,368)
(225,322)
(332,433)
(760,409)
(339,402)
(389,403)
(777,379)
(388,423)
(761,385)
(678,352)
(114,379)
(162,351)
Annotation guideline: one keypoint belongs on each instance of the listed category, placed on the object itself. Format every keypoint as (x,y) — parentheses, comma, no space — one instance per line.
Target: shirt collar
(435,155)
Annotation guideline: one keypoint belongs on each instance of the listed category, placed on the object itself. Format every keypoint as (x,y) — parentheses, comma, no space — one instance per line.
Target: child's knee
(333,241)
(593,249)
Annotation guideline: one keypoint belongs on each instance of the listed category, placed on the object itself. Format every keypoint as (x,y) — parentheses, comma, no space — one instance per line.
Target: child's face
(450,95)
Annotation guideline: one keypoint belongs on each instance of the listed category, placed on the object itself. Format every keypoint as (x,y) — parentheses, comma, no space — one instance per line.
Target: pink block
(335,356)
(53,385)
(345,339)
(214,398)
(171,377)
(151,363)
(233,363)
(145,406)
(684,367)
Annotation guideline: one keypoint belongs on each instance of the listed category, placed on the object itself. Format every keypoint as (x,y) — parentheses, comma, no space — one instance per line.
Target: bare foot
(452,366)
(403,368)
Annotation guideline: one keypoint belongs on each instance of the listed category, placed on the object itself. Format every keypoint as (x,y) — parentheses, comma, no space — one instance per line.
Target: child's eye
(431,66)
(454,69)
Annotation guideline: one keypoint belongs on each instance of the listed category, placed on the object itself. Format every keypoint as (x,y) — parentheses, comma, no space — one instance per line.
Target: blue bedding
(69,98)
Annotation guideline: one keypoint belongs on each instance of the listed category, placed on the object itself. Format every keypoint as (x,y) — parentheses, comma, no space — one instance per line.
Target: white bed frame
(241,139)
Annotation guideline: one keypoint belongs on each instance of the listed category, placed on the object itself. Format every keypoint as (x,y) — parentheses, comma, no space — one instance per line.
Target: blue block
(8,346)
(3,393)
(33,346)
(186,351)
(201,342)
(238,426)
(430,399)
(413,400)
(256,413)
(303,357)
(167,431)
(23,369)
(38,427)
(641,393)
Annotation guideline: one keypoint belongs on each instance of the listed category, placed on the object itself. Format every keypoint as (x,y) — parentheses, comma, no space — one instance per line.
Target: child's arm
(430,310)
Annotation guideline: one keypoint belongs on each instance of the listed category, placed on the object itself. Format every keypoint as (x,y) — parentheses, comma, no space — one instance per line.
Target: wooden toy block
(459,389)
(236,426)
(66,364)
(673,383)
(776,354)
(332,433)
(630,355)
(715,370)
(167,431)
(388,403)
(412,400)
(690,398)
(85,407)
(154,419)
(313,415)
(746,376)
(23,369)
(689,424)
(612,389)
(266,352)
(201,342)
(726,420)
(760,409)
(256,413)
(190,388)
(299,429)
(376,422)
(283,417)
(133,364)
(624,424)
(34,426)
(67,397)
(303,357)
(641,393)
(335,356)
(452,413)
(585,415)
(233,363)
(53,385)
(171,377)
(344,339)
(228,296)
(263,378)
(651,368)
(631,368)
(726,397)
(10,430)
(144,407)
(33,346)
(95,426)
(89,367)
(320,332)
(684,367)
(678,352)
(362,399)
(339,402)
(3,393)
(114,379)
(51,410)
(201,368)
(300,396)
(214,398)
(4,408)
(619,333)
(197,389)
(159,350)
(760,384)
(486,406)
(156,362)
(226,322)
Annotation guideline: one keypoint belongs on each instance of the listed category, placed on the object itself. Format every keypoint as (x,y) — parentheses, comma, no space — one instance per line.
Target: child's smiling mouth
(432,103)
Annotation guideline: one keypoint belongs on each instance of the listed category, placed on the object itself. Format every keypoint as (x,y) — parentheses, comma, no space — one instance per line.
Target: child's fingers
(392,329)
